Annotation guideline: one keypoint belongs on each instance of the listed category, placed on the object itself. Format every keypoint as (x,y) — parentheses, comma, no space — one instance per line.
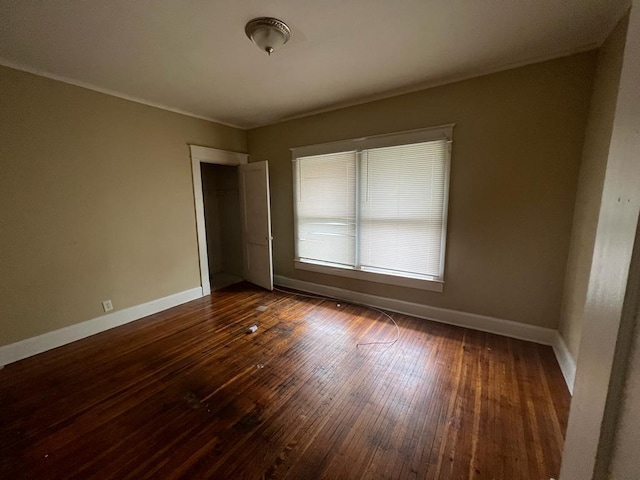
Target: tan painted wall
(589,195)
(97,202)
(515,163)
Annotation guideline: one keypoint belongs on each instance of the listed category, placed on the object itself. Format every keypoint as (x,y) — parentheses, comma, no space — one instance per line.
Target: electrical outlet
(107,306)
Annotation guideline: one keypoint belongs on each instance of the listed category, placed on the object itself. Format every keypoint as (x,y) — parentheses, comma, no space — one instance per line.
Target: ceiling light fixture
(267,33)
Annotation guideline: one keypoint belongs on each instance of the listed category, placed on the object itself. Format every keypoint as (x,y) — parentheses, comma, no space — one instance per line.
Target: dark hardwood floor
(188,394)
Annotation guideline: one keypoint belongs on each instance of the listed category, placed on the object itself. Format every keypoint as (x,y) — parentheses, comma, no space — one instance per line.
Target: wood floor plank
(187,393)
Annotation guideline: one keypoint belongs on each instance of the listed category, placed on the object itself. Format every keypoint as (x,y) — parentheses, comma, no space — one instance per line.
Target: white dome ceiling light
(268,33)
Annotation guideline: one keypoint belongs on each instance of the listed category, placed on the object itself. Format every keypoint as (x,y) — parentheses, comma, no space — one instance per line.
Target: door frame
(201,155)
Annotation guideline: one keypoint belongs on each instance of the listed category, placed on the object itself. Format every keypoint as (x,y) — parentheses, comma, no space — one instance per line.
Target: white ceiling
(193,56)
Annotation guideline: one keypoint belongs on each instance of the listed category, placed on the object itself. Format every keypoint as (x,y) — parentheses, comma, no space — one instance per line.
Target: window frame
(435,284)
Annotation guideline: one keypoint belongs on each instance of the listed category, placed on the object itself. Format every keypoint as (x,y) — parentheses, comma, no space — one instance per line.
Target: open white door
(256,224)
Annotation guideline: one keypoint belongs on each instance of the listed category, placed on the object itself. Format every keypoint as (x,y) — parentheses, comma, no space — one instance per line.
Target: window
(375,208)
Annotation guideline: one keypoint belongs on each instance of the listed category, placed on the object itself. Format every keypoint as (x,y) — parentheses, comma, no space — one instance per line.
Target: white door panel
(256,224)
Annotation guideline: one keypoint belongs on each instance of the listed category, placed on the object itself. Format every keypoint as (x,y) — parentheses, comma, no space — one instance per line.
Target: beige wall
(97,202)
(515,163)
(589,195)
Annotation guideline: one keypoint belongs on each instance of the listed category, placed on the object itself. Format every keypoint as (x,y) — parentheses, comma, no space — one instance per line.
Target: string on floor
(382,312)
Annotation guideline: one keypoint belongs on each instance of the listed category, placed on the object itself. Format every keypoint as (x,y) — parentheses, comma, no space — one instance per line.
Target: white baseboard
(474,321)
(546,336)
(565,360)
(507,328)
(47,341)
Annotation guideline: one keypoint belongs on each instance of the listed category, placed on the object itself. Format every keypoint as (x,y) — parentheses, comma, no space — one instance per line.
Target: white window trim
(376,141)
(418,283)
(385,140)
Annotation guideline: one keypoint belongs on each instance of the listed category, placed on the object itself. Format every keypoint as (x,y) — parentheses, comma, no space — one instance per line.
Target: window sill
(429,285)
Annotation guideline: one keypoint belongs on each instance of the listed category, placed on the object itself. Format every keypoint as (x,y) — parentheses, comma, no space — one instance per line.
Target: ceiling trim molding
(336,106)
(113,93)
(481,72)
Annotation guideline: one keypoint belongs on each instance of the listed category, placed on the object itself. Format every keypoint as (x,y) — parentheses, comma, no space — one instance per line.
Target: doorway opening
(236,196)
(222,212)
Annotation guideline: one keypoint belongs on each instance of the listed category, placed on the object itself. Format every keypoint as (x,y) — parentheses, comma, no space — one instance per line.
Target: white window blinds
(401,208)
(376,208)
(326,209)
